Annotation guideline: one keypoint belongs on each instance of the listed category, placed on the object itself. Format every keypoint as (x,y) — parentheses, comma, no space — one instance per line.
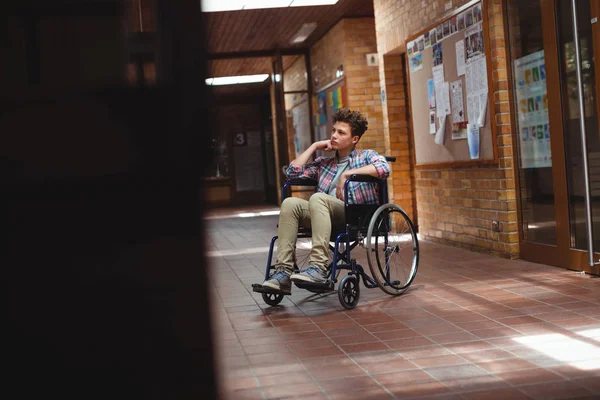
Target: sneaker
(311,274)
(280,281)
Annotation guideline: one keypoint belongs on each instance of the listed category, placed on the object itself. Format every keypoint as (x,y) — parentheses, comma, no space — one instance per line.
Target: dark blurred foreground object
(104,280)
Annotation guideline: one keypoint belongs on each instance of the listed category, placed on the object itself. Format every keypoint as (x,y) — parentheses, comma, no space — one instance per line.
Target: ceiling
(247,66)
(242,42)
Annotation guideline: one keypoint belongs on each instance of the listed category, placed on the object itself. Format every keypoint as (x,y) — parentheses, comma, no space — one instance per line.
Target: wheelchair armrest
(302,182)
(363,178)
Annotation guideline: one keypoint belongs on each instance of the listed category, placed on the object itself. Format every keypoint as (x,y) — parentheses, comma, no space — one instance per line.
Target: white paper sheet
(460,57)
(458,108)
(483,102)
(473,140)
(439,135)
(446,91)
(432,121)
(438,74)
(439,100)
(477,90)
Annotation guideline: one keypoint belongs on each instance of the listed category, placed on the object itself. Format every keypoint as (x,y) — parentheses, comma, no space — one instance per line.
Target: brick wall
(396,130)
(326,55)
(294,78)
(347,44)
(362,81)
(396,20)
(455,205)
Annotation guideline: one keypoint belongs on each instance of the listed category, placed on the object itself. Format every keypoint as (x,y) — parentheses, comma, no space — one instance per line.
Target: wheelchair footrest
(316,287)
(258,288)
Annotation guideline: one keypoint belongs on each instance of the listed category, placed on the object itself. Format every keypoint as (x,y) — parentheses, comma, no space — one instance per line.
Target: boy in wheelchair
(325,208)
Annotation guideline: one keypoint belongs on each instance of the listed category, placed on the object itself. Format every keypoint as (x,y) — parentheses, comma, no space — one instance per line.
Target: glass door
(580,126)
(553,173)
(535,169)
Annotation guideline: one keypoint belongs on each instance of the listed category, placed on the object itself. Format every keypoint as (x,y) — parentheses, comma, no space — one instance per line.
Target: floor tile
(456,372)
(529,376)
(496,394)
(555,390)
(419,389)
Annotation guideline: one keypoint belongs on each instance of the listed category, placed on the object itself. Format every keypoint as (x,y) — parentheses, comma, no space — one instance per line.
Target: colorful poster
(421,43)
(337,101)
(468,17)
(446,29)
(532,109)
(321,117)
(301,124)
(477,14)
(474,41)
(433,36)
(461,21)
(453,25)
(416,63)
(439,32)
(438,56)
(431,94)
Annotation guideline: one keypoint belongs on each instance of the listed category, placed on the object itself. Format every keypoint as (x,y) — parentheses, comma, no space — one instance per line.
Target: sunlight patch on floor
(577,353)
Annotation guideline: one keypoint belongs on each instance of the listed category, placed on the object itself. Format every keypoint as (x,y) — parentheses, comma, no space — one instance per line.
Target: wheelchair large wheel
(392,249)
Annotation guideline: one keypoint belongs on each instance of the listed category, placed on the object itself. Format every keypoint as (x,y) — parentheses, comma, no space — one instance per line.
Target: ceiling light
(233,5)
(300,3)
(236,80)
(221,5)
(255,4)
(304,32)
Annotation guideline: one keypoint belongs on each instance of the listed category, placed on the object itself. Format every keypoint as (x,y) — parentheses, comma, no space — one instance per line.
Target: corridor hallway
(472,326)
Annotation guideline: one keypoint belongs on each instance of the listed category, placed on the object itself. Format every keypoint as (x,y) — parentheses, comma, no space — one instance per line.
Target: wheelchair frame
(349,288)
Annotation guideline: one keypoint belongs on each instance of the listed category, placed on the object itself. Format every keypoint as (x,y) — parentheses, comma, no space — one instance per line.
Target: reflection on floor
(471,327)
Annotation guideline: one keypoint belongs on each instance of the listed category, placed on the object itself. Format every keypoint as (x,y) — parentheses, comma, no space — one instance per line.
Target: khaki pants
(319,213)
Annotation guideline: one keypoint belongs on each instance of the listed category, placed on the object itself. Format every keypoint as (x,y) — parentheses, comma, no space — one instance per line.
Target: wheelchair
(384,230)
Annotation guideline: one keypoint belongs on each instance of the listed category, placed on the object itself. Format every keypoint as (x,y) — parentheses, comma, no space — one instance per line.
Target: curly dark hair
(355,119)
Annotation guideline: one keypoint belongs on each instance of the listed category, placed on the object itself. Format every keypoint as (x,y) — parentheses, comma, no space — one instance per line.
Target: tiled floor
(471,327)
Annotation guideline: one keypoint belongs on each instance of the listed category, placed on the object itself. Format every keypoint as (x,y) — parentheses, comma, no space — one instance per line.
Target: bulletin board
(466,134)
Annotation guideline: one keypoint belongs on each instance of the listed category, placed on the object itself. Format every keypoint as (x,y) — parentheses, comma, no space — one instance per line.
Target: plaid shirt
(324,170)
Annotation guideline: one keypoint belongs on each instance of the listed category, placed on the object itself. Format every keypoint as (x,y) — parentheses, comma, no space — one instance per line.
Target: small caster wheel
(272,299)
(349,292)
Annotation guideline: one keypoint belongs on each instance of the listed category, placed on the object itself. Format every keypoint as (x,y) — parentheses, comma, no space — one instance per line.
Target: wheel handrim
(392,238)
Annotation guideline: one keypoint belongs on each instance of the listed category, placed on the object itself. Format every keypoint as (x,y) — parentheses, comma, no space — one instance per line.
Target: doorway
(553,176)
